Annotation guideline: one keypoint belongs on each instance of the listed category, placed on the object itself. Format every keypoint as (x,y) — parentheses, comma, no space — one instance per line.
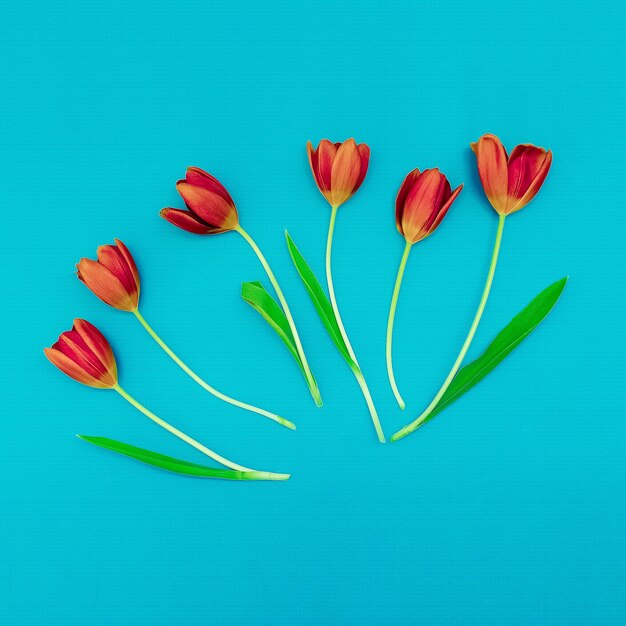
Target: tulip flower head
(210,209)
(85,355)
(113,277)
(338,168)
(510,182)
(422,203)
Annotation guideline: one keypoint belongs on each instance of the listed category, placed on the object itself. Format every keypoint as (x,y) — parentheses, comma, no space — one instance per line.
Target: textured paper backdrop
(508,508)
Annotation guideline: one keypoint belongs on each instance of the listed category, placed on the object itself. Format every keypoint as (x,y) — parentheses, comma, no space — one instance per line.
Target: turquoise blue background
(508,508)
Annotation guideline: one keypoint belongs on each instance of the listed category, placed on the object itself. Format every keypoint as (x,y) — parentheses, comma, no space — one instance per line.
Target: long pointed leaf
(259,299)
(177,466)
(506,341)
(320,300)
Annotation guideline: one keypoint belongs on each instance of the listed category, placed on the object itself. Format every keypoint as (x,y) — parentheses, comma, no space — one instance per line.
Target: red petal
(444,209)
(210,207)
(116,262)
(67,366)
(98,344)
(105,284)
(345,172)
(200,178)
(364,153)
(492,169)
(312,154)
(321,161)
(528,168)
(423,204)
(439,199)
(130,262)
(405,188)
(187,221)
(74,347)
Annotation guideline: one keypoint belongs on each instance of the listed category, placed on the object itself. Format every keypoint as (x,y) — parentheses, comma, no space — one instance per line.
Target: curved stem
(180,434)
(409,428)
(392,315)
(329,280)
(202,383)
(333,300)
(281,297)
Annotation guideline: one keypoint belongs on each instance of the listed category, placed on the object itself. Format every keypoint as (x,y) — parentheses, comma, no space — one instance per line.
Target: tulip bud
(510,182)
(338,168)
(113,277)
(211,210)
(85,355)
(422,203)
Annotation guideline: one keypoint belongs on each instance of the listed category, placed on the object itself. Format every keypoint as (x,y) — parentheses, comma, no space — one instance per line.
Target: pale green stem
(292,325)
(202,383)
(180,434)
(370,403)
(329,280)
(333,300)
(409,428)
(392,315)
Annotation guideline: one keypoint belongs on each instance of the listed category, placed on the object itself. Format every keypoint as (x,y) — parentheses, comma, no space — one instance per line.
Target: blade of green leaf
(259,299)
(177,466)
(320,300)
(506,341)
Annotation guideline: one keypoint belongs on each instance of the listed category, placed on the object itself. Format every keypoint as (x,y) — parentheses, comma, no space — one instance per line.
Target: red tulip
(338,168)
(85,355)
(211,210)
(113,277)
(510,182)
(422,203)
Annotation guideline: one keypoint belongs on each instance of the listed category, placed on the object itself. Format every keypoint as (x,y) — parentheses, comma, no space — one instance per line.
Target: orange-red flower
(510,182)
(423,201)
(338,168)
(85,355)
(113,277)
(211,210)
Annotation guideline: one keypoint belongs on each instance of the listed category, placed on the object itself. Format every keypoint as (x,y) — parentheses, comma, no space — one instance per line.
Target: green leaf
(259,299)
(177,466)
(320,300)
(508,339)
